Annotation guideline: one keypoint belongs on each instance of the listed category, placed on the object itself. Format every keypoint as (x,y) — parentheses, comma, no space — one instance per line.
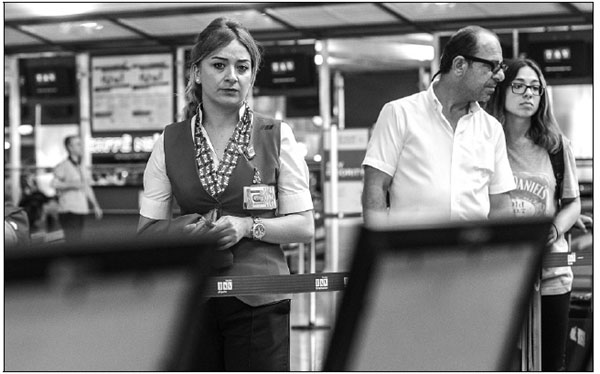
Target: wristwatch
(258,228)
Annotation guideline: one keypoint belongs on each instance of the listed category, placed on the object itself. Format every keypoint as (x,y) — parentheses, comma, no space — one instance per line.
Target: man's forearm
(374,204)
(374,197)
(501,206)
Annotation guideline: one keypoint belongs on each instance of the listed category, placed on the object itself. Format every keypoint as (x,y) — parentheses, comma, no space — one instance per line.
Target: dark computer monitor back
(439,298)
(119,304)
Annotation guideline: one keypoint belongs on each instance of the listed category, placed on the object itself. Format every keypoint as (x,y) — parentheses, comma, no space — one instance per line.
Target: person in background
(522,105)
(437,153)
(240,182)
(74,191)
(34,202)
(16,226)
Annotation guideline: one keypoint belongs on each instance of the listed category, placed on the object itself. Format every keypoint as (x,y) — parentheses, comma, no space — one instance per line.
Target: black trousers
(72,225)
(555,326)
(237,337)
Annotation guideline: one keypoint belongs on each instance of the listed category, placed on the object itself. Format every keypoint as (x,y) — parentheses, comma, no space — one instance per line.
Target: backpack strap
(558,167)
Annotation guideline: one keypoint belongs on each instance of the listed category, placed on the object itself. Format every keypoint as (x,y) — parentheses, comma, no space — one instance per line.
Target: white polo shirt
(293,184)
(439,173)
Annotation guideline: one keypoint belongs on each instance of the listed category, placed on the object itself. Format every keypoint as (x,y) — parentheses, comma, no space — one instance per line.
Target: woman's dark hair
(544,130)
(464,42)
(218,34)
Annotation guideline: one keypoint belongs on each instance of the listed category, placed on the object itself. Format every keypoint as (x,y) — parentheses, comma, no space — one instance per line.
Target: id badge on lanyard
(259,196)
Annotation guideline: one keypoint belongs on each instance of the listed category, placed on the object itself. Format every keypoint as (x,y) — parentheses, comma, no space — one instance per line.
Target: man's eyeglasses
(494,65)
(520,88)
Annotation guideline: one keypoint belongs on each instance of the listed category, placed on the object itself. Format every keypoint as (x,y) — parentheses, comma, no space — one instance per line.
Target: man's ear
(459,65)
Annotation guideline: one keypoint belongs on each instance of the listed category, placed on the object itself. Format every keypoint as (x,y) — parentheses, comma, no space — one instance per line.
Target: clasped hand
(225,232)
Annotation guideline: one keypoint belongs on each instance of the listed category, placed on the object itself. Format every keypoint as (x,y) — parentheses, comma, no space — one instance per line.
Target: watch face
(258,231)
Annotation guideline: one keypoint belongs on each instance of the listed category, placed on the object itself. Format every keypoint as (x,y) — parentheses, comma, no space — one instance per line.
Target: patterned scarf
(215,180)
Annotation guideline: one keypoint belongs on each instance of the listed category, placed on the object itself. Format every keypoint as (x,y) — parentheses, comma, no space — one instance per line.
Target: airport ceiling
(131,27)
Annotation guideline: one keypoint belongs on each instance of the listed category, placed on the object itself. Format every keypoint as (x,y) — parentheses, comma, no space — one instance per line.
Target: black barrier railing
(117,256)
(580,258)
(275,284)
(326,282)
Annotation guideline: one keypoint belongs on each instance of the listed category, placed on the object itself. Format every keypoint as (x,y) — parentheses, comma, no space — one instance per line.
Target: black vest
(250,257)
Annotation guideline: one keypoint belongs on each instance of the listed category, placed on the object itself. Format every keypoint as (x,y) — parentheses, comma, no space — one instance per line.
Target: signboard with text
(132,93)
(125,147)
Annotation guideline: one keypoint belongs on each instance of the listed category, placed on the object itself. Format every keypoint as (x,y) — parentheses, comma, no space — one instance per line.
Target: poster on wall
(132,93)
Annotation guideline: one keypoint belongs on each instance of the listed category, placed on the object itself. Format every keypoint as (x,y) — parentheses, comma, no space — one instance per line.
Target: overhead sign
(294,70)
(132,93)
(562,59)
(50,79)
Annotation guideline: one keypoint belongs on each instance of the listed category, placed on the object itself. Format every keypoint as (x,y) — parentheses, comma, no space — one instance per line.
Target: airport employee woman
(240,180)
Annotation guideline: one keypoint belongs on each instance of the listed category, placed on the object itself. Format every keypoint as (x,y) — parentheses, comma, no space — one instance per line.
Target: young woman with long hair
(522,105)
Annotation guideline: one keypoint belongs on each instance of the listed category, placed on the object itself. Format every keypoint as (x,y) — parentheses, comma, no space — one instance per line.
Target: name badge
(259,197)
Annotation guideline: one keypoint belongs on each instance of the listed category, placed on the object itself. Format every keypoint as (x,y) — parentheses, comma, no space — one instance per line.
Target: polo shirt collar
(474,107)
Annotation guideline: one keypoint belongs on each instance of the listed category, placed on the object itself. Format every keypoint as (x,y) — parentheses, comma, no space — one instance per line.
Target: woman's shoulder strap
(557,160)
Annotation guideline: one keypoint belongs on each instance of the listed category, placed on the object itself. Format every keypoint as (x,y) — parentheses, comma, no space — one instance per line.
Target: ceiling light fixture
(25,130)
(58,10)
(318,60)
(91,26)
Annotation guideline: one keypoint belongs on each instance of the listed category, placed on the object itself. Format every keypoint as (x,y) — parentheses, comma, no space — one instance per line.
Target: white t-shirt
(438,173)
(293,186)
